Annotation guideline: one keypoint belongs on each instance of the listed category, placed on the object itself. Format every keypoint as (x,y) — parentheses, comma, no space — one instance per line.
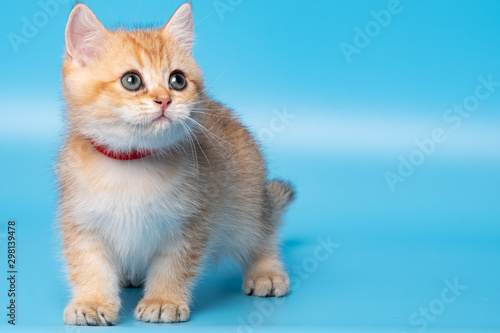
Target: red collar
(122,155)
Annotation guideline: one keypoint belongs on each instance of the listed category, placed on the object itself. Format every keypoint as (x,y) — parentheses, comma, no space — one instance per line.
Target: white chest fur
(136,206)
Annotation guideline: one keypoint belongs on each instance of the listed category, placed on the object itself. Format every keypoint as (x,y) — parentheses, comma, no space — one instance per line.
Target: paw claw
(266,284)
(91,313)
(160,311)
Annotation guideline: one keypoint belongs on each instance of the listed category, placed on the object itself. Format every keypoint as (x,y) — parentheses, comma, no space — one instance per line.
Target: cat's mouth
(161,122)
(161,118)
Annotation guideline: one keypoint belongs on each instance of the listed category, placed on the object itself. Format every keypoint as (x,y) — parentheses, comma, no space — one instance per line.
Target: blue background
(349,123)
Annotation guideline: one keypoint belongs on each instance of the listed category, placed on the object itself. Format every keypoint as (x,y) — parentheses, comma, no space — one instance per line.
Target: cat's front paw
(266,284)
(161,311)
(91,313)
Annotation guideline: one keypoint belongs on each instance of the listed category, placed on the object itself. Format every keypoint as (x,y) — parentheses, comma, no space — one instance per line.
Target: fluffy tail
(280,194)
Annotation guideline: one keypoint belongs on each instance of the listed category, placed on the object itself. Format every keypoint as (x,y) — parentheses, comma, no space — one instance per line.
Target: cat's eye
(177,81)
(132,81)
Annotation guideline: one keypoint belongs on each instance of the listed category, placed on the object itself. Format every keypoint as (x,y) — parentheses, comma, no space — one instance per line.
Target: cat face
(131,89)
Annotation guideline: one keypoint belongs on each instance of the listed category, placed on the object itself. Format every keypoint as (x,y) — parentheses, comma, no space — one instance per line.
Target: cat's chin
(161,133)
(161,123)
(161,118)
(165,133)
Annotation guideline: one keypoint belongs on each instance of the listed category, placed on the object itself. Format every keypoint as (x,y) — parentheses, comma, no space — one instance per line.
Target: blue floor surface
(360,258)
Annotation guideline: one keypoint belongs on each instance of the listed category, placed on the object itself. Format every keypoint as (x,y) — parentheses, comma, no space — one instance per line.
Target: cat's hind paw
(267,284)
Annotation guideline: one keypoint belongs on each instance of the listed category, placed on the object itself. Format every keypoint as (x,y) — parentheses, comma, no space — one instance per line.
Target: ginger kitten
(155,177)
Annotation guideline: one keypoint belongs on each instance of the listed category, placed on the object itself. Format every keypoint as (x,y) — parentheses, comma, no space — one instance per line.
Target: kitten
(155,177)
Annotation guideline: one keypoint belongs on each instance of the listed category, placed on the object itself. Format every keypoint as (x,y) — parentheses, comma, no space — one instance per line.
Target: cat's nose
(163,102)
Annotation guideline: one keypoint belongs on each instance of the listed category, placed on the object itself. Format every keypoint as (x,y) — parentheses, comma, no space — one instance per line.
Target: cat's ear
(84,34)
(181,26)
